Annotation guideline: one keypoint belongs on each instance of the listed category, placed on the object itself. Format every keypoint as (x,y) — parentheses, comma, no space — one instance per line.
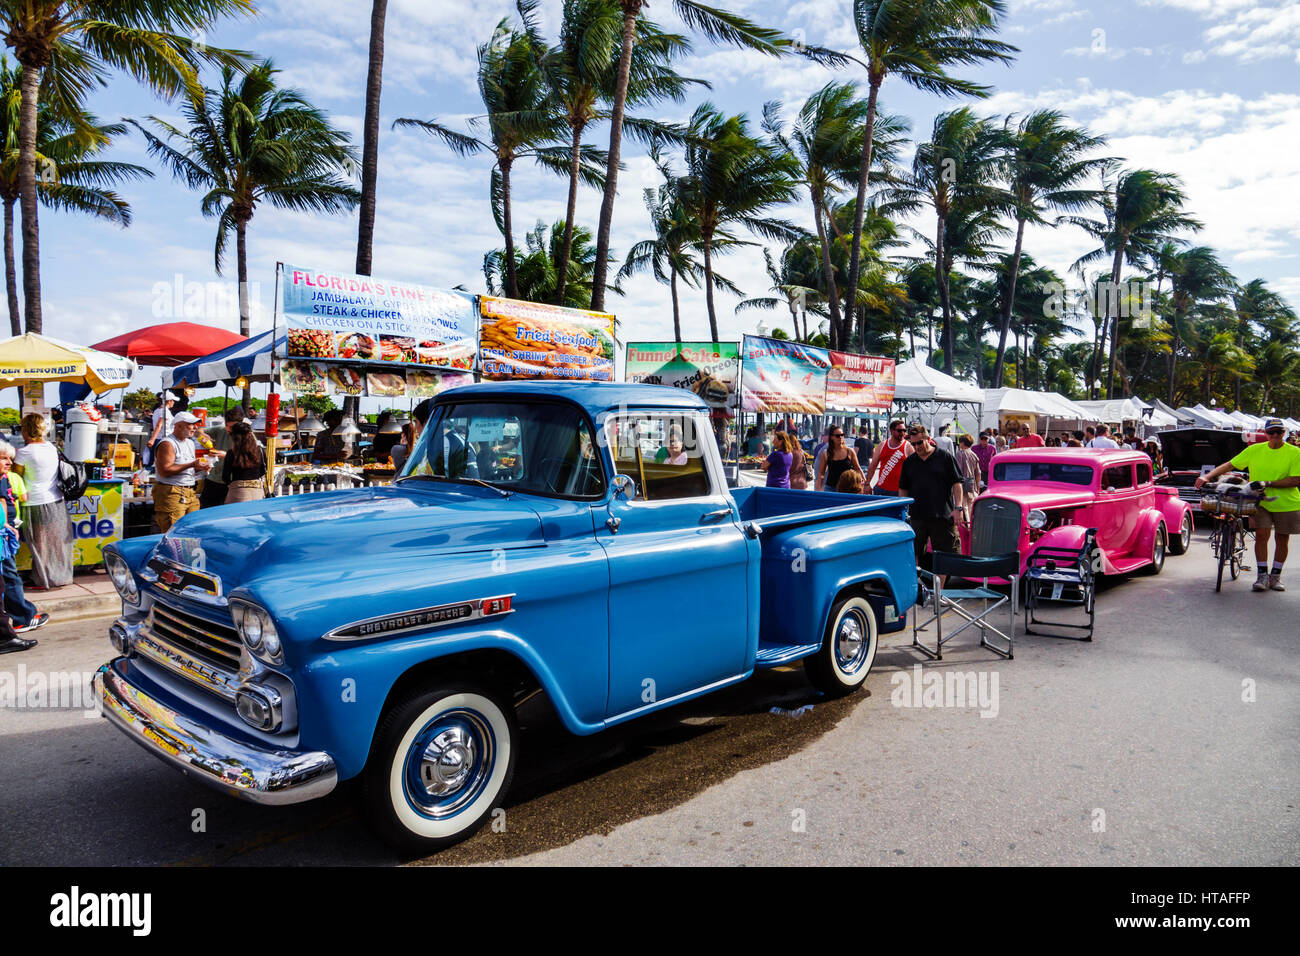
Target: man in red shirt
(889,456)
(1028,438)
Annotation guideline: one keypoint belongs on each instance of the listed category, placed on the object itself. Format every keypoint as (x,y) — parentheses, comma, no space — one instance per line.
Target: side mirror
(624,487)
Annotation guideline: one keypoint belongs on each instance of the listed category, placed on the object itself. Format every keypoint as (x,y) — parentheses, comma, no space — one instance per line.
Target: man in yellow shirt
(1273,465)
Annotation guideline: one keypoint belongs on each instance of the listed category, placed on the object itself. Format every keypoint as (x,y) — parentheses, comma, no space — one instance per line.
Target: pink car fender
(1146,536)
(1174,509)
(1069,536)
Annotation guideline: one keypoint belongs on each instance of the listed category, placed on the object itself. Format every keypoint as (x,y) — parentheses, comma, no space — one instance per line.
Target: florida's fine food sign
(532,340)
(859,383)
(781,376)
(338,317)
(709,369)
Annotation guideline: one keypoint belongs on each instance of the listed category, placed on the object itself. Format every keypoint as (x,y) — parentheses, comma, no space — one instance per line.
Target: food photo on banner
(782,376)
(350,335)
(709,369)
(531,340)
(859,383)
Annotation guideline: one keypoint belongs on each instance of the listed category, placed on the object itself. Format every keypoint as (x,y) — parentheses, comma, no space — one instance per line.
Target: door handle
(717,515)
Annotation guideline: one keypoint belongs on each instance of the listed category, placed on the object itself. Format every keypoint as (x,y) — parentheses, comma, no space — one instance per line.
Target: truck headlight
(257,631)
(1037,519)
(119,572)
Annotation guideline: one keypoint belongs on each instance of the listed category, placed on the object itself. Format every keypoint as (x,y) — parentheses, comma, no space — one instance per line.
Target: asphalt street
(1170,739)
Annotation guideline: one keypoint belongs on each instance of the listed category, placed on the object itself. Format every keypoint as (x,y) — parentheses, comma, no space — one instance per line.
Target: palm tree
(795,281)
(581,73)
(717,25)
(1141,210)
(535,270)
(76,182)
(521,124)
(733,179)
(1256,304)
(1044,164)
(952,173)
(917,41)
(826,137)
(250,142)
(1199,281)
(370,137)
(671,253)
(66,49)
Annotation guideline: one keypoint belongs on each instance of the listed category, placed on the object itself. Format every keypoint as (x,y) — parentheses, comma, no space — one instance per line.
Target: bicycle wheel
(1223,549)
(1238,549)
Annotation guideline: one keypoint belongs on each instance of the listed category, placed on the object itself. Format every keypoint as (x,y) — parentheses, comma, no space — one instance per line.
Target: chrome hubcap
(447,762)
(851,643)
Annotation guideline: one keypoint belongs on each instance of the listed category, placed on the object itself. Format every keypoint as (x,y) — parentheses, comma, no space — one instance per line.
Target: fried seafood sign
(782,376)
(531,340)
(342,317)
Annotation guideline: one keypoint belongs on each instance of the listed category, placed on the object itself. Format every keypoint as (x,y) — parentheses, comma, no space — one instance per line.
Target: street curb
(79,607)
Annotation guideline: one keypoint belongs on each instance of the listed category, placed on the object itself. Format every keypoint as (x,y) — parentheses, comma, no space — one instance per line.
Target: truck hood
(1034,495)
(343,528)
(1188,449)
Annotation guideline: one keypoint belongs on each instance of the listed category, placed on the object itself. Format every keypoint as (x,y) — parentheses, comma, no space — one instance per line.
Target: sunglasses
(1275,431)
(918,443)
(837,434)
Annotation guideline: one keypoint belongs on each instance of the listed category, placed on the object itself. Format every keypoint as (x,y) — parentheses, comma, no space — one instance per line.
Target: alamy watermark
(49,690)
(210,301)
(950,688)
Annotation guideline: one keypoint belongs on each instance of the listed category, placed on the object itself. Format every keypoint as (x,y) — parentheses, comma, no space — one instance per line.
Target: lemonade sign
(96,519)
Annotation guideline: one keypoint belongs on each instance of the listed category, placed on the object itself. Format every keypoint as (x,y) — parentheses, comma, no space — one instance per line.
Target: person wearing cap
(162,421)
(1274,468)
(178,468)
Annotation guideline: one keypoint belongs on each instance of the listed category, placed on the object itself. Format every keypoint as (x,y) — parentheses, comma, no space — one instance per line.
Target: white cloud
(1246,30)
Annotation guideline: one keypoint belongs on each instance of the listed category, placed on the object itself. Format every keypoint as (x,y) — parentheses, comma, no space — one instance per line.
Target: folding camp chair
(962,601)
(1062,576)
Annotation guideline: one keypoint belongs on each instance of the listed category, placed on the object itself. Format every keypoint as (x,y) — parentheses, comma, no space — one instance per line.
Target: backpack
(72,479)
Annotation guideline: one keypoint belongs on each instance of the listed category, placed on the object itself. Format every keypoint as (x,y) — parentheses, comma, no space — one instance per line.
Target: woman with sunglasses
(888,457)
(835,461)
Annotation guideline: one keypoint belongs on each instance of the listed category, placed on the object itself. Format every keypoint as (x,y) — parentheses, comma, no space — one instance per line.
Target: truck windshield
(540,448)
(1057,472)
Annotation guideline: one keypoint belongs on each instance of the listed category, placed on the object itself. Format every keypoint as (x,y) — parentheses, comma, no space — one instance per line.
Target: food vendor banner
(859,383)
(321,378)
(709,369)
(96,518)
(781,376)
(531,340)
(335,316)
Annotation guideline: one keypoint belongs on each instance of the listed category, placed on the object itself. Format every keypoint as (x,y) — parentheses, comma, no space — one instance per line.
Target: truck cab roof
(595,397)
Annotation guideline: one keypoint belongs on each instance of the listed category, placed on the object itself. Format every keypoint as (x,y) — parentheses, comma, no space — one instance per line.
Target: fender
(1069,536)
(1146,536)
(1173,509)
(346,732)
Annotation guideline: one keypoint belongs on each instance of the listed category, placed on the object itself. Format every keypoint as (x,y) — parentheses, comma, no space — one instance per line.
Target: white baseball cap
(184,418)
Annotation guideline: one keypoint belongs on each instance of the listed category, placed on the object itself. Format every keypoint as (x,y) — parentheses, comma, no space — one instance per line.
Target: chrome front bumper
(238,768)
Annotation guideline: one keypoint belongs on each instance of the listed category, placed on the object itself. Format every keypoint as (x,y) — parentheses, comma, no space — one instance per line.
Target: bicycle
(1228,537)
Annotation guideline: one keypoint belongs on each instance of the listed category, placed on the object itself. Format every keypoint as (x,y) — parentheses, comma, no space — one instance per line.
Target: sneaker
(1275,583)
(40,620)
(1261,583)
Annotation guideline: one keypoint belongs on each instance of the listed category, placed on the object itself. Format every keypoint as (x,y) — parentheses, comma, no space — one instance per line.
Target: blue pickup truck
(574,540)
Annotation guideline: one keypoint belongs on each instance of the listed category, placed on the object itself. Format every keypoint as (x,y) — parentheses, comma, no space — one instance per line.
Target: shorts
(970,486)
(1280,522)
(879,490)
(939,533)
(171,503)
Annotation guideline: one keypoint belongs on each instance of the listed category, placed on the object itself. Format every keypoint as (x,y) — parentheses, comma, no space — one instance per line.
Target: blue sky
(1206,89)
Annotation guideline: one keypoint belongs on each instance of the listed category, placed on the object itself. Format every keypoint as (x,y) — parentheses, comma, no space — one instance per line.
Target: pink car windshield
(1057,472)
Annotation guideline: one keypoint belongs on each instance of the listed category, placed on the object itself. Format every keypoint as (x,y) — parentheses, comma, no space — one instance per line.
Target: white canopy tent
(1000,402)
(923,391)
(1115,411)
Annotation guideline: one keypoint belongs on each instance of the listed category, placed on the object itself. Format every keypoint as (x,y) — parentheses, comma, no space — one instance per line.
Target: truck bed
(816,544)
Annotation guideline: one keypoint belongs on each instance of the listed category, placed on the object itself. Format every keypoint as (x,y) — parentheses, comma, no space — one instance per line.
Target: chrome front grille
(216,644)
(995,526)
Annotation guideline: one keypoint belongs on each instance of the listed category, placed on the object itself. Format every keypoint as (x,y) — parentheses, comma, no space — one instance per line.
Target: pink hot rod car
(1050,497)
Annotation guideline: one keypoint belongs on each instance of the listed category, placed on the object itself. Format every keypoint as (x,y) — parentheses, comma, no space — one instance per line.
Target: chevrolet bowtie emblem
(170,578)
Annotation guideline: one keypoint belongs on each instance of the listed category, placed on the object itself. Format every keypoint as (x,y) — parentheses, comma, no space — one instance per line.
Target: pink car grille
(995,526)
